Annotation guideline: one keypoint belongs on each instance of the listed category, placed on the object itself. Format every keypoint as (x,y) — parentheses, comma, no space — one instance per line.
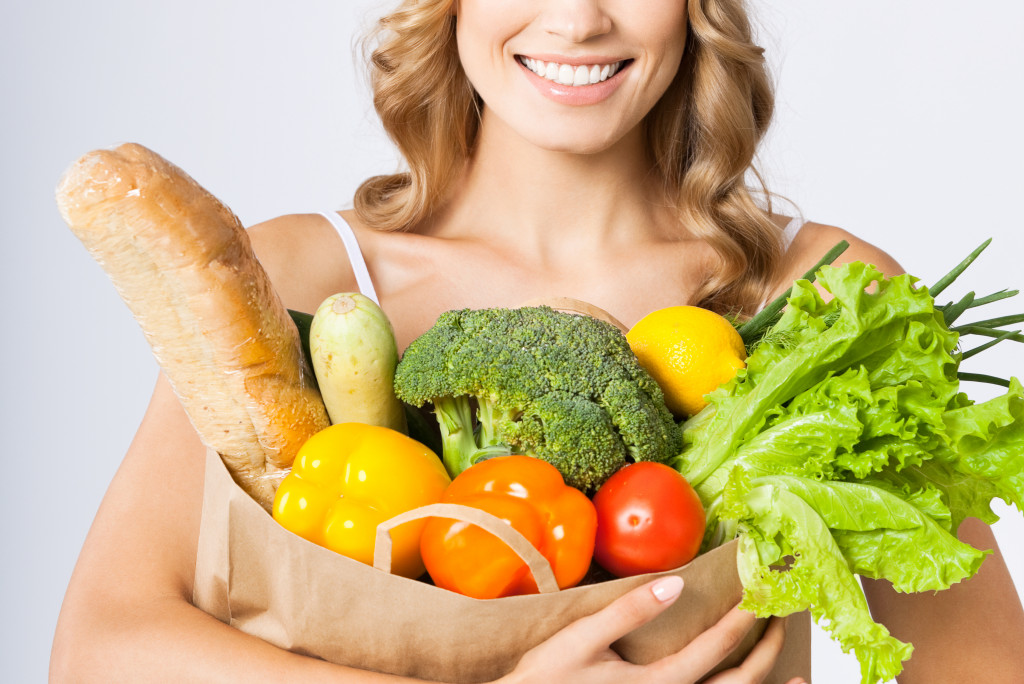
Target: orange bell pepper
(530,495)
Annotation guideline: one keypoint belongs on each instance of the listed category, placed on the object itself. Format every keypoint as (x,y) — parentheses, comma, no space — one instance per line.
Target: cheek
(481,36)
(485,27)
(668,31)
(668,47)
(664,26)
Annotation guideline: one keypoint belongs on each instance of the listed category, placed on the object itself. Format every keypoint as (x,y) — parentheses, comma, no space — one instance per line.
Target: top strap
(788,235)
(790,231)
(355,255)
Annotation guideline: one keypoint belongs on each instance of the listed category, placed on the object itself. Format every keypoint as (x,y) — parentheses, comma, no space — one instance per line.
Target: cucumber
(353,351)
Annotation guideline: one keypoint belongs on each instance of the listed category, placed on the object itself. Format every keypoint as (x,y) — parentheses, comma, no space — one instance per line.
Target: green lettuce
(845,448)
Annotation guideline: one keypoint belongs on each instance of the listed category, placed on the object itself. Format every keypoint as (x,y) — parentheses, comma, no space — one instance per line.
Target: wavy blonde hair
(703,135)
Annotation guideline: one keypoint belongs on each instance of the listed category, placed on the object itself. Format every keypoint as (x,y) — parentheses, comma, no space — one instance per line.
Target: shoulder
(304,257)
(815,239)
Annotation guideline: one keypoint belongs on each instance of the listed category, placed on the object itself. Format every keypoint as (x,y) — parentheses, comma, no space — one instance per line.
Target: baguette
(184,265)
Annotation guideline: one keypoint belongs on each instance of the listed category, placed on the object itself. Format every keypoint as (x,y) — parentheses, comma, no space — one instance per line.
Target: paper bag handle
(537,563)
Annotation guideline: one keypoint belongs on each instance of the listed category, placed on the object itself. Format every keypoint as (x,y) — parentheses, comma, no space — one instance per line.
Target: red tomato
(649,519)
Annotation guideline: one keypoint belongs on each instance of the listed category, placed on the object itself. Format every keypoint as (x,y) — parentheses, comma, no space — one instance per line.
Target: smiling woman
(640,41)
(601,150)
(686,88)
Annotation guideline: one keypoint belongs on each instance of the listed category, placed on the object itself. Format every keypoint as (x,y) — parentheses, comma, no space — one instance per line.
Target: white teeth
(566,74)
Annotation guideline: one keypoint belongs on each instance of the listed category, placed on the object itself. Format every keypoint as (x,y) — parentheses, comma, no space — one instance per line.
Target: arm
(971,632)
(127,614)
(814,240)
(974,630)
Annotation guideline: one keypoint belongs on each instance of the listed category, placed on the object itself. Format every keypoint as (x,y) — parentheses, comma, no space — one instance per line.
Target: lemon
(689,351)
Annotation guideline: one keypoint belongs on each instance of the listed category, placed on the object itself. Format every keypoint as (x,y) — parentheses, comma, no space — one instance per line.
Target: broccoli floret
(564,388)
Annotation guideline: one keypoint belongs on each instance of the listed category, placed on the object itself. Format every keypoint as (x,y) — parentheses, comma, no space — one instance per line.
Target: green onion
(980,348)
(989,332)
(995,297)
(992,322)
(979,377)
(944,282)
(951,312)
(769,315)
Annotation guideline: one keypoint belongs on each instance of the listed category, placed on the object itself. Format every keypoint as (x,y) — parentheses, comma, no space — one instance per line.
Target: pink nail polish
(667,588)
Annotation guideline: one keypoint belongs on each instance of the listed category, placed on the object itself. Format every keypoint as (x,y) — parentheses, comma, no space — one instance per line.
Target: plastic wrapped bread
(184,265)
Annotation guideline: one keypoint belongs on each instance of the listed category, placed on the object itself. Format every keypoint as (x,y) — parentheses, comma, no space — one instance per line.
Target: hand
(581,652)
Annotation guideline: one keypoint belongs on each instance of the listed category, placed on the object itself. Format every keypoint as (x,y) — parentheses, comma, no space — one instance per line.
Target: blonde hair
(703,135)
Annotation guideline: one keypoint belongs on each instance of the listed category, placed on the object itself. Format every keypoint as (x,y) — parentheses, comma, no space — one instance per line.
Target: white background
(899,121)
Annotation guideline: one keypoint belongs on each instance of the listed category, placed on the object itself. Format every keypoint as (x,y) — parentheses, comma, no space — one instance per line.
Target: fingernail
(667,588)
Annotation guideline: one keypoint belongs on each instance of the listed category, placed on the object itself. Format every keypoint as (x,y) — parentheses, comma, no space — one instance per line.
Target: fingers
(590,659)
(581,652)
(628,612)
(762,658)
(710,647)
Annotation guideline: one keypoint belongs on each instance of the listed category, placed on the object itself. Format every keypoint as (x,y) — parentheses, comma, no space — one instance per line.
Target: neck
(547,201)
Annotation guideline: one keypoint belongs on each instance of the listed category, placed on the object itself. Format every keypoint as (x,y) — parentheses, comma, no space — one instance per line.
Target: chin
(579,142)
(574,133)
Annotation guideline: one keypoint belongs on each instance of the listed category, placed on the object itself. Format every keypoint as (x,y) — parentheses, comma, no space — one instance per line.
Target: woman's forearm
(127,614)
(166,639)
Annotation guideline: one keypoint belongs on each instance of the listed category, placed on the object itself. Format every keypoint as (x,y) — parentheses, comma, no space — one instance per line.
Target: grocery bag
(258,577)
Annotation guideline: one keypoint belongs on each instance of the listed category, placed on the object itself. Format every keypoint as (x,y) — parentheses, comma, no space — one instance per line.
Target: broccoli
(561,387)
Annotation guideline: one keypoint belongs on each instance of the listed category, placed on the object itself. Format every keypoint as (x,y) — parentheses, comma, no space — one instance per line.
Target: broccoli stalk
(468,436)
(491,418)
(458,444)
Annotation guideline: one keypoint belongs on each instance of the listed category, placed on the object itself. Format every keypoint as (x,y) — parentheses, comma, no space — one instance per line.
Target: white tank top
(790,231)
(355,255)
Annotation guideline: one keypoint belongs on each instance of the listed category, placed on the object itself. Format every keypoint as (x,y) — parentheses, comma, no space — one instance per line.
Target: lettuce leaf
(837,603)
(846,448)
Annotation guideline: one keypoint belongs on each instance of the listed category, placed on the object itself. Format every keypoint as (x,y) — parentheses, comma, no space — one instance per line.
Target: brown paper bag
(260,578)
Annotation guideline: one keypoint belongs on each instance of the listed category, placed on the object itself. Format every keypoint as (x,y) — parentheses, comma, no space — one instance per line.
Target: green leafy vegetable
(846,447)
(564,388)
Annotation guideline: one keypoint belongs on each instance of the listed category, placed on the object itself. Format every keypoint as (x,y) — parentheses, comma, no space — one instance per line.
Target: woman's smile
(572,73)
(594,69)
(574,82)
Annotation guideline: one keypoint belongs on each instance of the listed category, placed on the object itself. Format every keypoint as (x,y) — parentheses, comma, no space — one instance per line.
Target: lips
(574,75)
(574,81)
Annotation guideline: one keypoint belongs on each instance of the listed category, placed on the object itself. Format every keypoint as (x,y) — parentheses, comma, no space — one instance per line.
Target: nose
(576,20)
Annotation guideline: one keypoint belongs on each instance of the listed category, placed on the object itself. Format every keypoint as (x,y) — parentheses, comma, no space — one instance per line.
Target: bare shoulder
(815,239)
(304,257)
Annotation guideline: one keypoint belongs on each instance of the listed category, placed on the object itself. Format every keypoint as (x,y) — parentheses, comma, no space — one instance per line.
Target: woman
(580,148)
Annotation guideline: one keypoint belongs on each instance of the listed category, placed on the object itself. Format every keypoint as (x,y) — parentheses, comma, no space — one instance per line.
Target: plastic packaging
(184,265)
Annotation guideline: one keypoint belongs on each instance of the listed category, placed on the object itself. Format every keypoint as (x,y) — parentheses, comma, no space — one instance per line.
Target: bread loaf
(184,265)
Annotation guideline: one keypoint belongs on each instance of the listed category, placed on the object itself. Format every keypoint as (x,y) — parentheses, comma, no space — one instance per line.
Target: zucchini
(354,353)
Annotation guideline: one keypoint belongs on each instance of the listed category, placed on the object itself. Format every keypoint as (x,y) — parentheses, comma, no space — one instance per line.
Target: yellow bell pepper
(350,477)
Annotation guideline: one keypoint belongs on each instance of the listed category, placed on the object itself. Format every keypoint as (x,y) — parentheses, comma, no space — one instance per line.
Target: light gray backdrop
(897,120)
